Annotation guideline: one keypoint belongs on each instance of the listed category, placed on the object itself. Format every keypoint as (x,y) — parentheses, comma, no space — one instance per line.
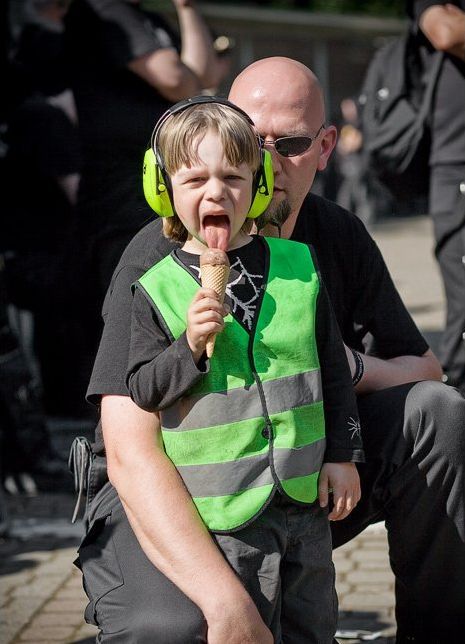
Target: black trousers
(447,206)
(414,479)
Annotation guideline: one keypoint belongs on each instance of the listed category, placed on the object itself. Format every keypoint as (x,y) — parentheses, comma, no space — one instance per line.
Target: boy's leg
(284,560)
(309,600)
(129,599)
(255,553)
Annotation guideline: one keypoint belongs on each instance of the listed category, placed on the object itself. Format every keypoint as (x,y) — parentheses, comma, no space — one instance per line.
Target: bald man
(168,576)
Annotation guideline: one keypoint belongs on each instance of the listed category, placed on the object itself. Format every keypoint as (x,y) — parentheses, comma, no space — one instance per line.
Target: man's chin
(275,215)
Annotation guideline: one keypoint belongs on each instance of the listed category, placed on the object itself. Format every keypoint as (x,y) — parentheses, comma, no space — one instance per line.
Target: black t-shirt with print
(161,371)
(245,280)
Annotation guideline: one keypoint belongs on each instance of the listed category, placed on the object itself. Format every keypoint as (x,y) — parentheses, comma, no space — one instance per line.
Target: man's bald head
(282,81)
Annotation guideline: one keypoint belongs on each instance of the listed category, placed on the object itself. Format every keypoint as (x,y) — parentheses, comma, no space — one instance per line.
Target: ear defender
(155,189)
(263,186)
(156,184)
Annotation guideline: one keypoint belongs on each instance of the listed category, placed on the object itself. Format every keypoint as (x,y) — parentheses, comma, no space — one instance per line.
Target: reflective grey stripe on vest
(221,479)
(209,410)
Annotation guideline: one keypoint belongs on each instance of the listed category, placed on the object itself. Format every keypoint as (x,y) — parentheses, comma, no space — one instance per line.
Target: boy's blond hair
(178,141)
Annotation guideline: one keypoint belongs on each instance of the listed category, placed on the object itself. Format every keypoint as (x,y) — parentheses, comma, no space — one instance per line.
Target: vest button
(266,432)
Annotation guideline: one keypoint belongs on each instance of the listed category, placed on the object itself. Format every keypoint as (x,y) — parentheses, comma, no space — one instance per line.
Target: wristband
(359,368)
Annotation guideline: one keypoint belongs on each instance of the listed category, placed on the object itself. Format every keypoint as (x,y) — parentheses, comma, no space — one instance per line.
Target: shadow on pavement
(363,626)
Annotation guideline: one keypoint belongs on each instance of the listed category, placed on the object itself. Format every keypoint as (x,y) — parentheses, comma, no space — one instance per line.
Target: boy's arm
(342,425)
(159,371)
(339,474)
(168,527)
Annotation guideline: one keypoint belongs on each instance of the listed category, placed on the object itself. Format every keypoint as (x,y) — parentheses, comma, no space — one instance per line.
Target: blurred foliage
(394,8)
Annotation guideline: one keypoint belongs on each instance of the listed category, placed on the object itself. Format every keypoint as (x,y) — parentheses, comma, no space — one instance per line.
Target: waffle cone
(214,276)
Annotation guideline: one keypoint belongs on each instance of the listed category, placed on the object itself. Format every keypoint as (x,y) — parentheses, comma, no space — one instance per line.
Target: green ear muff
(158,198)
(155,189)
(263,186)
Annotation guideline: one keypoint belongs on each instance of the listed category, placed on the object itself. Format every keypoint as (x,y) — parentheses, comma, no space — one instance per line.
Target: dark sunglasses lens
(292,146)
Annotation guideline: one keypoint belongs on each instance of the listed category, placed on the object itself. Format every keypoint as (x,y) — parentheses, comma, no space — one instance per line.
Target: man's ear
(327,145)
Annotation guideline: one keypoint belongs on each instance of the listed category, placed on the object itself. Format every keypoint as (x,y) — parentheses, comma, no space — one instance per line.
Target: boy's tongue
(216,232)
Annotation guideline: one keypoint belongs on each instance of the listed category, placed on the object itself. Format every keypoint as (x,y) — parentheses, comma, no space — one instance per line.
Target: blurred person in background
(352,192)
(441,27)
(41,177)
(127,66)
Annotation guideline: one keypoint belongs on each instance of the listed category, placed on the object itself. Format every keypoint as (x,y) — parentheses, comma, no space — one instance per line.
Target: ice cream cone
(214,273)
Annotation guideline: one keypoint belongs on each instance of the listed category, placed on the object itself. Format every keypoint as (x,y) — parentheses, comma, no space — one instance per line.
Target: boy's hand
(343,480)
(204,317)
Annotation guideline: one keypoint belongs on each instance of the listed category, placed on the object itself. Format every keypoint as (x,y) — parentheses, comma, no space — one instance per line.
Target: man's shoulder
(146,248)
(327,209)
(321,217)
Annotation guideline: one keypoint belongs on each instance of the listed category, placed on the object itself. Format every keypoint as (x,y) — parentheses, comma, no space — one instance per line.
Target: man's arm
(396,353)
(381,374)
(180,76)
(197,50)
(444,26)
(168,527)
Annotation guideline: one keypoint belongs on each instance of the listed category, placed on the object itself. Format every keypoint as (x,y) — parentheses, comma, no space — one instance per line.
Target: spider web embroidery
(241,276)
(354,428)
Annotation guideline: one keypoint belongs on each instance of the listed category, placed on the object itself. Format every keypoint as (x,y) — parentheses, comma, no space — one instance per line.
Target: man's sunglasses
(292,146)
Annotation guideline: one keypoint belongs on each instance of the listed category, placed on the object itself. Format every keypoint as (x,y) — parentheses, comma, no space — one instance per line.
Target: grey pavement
(41,596)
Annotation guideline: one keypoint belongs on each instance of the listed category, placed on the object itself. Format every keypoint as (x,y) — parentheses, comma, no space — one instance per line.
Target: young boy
(262,429)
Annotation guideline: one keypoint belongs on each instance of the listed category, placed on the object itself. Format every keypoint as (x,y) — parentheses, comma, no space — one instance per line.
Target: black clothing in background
(38,233)
(40,56)
(117,110)
(448,118)
(447,192)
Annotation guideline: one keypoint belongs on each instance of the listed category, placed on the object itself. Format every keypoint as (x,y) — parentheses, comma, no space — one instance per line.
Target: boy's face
(212,197)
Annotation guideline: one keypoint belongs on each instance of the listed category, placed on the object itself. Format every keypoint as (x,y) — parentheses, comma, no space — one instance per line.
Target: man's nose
(275,158)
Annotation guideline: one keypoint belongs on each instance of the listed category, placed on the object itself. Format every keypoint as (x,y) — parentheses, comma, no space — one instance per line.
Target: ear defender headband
(156,182)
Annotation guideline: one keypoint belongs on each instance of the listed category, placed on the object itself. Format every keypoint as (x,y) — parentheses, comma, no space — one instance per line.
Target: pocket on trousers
(99,564)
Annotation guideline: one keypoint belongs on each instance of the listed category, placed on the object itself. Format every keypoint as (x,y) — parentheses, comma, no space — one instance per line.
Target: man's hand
(204,317)
(242,626)
(343,480)
(180,4)
(444,26)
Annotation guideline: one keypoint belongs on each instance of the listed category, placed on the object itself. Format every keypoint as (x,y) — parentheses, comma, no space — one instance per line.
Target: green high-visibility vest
(255,421)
